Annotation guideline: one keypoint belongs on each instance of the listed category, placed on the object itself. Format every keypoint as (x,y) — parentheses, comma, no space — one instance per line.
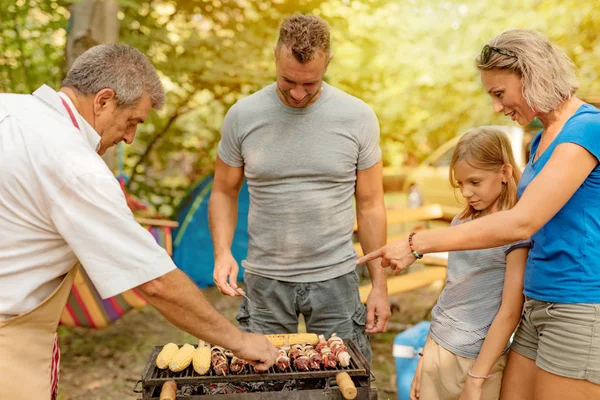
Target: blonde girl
(480,306)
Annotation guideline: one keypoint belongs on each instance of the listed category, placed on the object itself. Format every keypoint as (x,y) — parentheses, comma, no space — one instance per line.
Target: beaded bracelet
(412,247)
(478,376)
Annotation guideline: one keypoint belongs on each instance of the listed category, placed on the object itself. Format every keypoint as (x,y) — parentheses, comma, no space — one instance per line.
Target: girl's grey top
(471,298)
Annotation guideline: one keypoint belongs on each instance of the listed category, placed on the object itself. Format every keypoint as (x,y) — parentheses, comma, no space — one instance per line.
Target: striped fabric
(467,306)
(54,370)
(86,308)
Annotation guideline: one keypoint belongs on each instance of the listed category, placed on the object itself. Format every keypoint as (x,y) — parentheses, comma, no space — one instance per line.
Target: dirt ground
(105,364)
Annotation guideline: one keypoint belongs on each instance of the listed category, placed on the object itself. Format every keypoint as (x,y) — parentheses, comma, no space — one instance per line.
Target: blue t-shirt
(564,260)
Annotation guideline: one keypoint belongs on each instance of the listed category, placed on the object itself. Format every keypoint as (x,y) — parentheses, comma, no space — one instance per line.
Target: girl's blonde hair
(488,149)
(549,76)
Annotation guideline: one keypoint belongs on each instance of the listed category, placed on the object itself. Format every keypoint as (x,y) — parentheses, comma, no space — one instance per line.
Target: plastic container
(407,346)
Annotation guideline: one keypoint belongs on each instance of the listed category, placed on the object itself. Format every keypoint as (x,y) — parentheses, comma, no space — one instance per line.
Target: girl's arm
(507,318)
(567,169)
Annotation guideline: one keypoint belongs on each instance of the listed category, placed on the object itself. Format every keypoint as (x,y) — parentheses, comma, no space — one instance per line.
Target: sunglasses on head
(486,53)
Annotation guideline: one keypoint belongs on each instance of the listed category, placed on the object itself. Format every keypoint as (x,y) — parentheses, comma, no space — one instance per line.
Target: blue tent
(192,244)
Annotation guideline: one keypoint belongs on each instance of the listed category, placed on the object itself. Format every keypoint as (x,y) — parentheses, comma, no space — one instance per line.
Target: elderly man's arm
(176,297)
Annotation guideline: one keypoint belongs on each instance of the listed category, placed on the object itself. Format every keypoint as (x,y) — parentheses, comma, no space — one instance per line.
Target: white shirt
(59,202)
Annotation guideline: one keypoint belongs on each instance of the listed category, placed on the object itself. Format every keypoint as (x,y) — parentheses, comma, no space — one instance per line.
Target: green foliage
(411,61)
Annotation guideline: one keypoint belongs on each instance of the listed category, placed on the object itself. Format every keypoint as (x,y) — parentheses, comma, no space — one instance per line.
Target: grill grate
(153,376)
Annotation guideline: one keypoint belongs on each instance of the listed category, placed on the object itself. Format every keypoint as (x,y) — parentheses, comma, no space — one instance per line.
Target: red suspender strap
(70,113)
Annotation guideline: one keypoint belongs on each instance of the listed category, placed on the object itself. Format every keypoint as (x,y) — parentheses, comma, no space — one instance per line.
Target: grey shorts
(329,306)
(563,339)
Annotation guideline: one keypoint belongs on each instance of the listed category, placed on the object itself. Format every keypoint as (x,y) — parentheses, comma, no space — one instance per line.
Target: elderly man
(60,206)
(306,149)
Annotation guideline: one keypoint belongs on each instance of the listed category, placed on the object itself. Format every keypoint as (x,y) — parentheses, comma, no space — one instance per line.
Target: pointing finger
(371,256)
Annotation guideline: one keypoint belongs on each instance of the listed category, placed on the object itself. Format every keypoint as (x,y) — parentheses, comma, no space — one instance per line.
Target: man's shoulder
(15,104)
(346,100)
(257,100)
(29,110)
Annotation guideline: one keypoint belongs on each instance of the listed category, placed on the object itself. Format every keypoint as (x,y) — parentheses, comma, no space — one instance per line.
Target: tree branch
(158,136)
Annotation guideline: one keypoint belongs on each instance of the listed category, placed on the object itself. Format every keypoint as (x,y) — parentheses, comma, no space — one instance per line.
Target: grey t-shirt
(471,298)
(300,165)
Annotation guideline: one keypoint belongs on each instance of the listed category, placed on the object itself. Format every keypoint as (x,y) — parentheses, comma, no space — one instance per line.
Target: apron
(29,354)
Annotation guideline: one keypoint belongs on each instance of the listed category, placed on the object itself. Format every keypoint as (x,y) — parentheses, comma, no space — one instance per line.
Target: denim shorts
(563,339)
(329,306)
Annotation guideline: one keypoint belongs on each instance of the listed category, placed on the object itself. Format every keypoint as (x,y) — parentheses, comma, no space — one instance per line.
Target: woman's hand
(396,255)
(415,387)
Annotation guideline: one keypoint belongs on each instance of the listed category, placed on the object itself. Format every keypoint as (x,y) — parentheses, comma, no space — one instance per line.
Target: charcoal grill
(250,385)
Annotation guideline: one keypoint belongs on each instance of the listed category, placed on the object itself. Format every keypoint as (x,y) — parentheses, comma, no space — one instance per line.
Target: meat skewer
(295,351)
(298,357)
(219,360)
(329,359)
(282,360)
(237,365)
(339,350)
(322,343)
(314,357)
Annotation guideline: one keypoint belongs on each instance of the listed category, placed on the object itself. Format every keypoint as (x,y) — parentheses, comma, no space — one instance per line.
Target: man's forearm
(222,217)
(372,234)
(176,297)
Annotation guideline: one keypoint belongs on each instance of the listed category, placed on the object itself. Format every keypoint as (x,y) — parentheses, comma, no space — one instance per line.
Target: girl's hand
(473,389)
(415,386)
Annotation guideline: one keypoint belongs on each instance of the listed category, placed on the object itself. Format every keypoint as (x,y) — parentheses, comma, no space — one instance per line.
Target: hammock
(86,308)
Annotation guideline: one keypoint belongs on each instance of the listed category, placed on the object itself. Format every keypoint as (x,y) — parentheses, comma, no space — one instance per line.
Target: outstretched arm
(176,297)
(567,169)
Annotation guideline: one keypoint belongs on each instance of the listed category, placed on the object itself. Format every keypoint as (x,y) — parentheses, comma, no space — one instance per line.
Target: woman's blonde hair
(488,149)
(549,76)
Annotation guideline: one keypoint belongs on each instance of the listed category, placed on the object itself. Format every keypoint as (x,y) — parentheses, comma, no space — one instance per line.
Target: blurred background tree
(412,61)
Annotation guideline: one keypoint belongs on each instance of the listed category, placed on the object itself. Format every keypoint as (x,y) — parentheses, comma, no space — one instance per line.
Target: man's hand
(257,350)
(226,268)
(396,255)
(473,389)
(415,387)
(378,311)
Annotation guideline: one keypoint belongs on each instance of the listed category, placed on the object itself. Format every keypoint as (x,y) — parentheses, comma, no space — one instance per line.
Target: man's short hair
(119,67)
(304,35)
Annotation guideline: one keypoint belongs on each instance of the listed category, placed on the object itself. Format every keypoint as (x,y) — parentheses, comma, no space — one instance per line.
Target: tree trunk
(93,22)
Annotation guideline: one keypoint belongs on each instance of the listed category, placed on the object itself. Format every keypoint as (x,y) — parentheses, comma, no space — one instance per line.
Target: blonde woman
(470,329)
(556,349)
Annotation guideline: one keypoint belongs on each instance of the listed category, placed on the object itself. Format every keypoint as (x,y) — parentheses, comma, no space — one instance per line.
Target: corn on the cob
(182,358)
(293,338)
(201,358)
(166,355)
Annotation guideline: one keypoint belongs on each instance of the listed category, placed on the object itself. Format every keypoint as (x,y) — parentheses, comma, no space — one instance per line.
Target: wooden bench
(406,282)
(430,212)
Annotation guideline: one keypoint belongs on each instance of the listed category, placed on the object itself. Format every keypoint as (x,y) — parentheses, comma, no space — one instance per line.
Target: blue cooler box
(407,346)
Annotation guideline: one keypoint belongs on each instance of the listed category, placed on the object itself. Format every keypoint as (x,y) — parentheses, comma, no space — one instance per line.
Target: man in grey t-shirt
(305,148)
